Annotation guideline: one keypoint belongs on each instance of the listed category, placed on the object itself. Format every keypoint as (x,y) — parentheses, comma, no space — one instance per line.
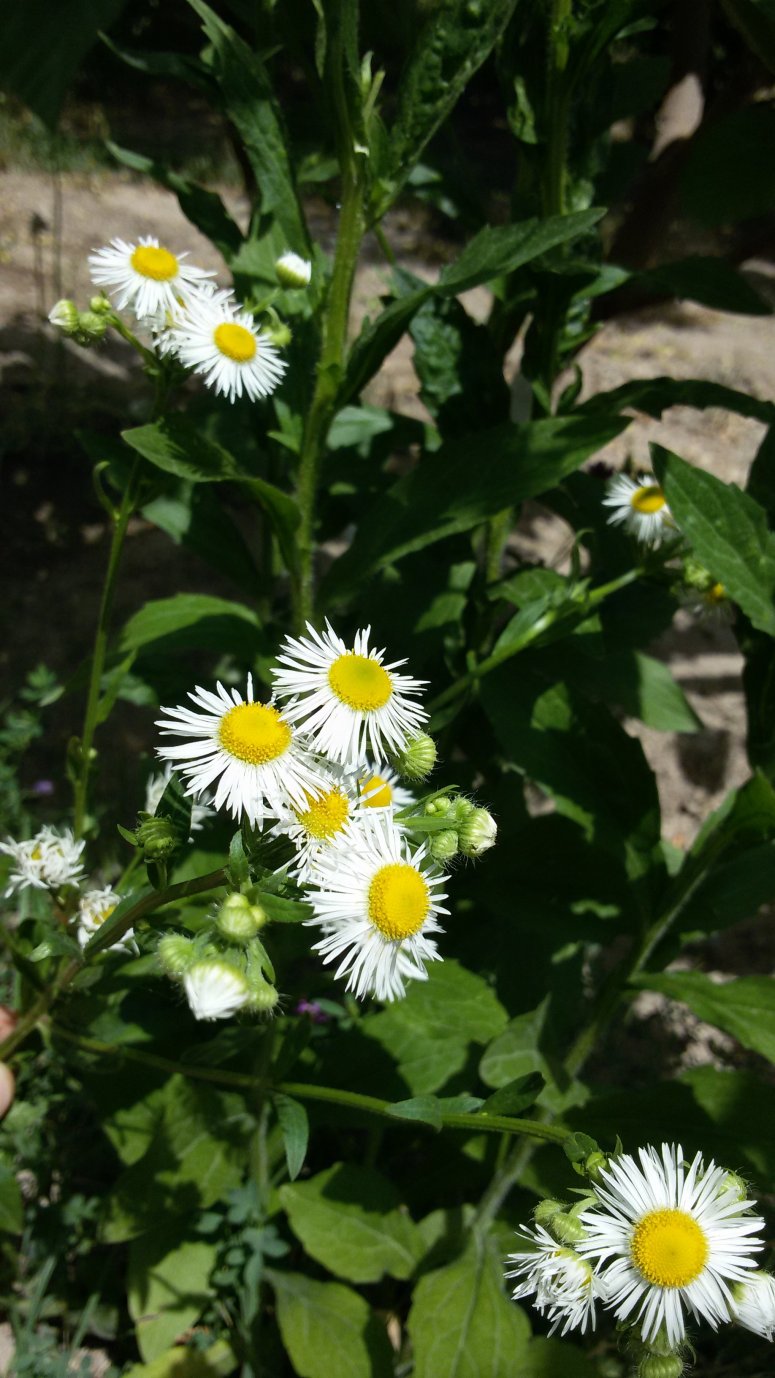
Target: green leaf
(196,620)
(216,1362)
(177,447)
(327,1328)
(203,208)
(426,1109)
(192,518)
(556,1359)
(11,1204)
(463,484)
(376,340)
(429,1032)
(294,1125)
(514,1055)
(350,1219)
(728,531)
(642,686)
(461,1323)
(504,248)
(711,281)
(282,910)
(250,105)
(57,943)
(744,1007)
(167,1289)
(517,1095)
(283,514)
(655,395)
(43,47)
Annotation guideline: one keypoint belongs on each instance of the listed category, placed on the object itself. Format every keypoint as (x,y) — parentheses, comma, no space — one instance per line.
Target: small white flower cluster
(203,327)
(653,1240)
(311,764)
(52,861)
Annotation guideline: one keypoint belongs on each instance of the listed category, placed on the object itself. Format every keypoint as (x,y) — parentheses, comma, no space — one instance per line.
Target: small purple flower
(43,788)
(313,1010)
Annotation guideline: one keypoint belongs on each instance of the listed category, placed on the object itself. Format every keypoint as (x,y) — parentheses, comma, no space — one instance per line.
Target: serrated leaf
(728,531)
(294,1124)
(327,1328)
(177,447)
(462,1324)
(349,1219)
(504,248)
(743,1007)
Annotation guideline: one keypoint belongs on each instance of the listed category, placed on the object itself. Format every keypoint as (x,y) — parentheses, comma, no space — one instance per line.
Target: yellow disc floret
(235,341)
(156,263)
(360,682)
(103,915)
(398,900)
(669,1248)
(326,816)
(255,733)
(648,500)
(716,594)
(376,793)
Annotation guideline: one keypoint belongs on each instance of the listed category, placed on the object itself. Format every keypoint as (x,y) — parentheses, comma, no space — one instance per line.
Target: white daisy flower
(93,909)
(145,275)
(319,824)
(640,506)
(293,271)
(667,1237)
(380,787)
(753,1304)
(251,746)
(349,703)
(565,1285)
(376,903)
(154,790)
(215,989)
(46,861)
(216,338)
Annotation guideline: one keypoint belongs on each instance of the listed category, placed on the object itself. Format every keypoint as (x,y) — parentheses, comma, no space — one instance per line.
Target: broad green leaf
(294,1125)
(504,248)
(11,1204)
(282,910)
(555,1359)
(190,619)
(43,47)
(429,1032)
(283,514)
(203,208)
(349,1219)
(328,1329)
(426,1109)
(655,395)
(463,484)
(177,447)
(179,1362)
(743,1007)
(250,105)
(192,518)
(516,1096)
(167,1288)
(514,1056)
(461,1322)
(455,359)
(728,532)
(631,680)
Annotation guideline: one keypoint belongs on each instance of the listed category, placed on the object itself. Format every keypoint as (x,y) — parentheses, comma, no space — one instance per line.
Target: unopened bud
(593,1165)
(660,1366)
(696,575)
(279,333)
(238,920)
(90,329)
(437,806)
(101,305)
(293,271)
(263,998)
(567,1229)
(215,989)
(158,837)
(417,759)
(175,953)
(478,833)
(735,1184)
(65,316)
(546,1210)
(444,845)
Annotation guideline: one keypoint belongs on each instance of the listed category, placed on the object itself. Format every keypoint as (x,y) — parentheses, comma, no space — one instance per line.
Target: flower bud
(238,920)
(417,759)
(158,837)
(175,953)
(567,1229)
(660,1366)
(90,329)
(444,845)
(436,806)
(279,333)
(546,1210)
(478,833)
(101,305)
(263,998)
(215,989)
(65,316)
(293,271)
(734,1184)
(594,1163)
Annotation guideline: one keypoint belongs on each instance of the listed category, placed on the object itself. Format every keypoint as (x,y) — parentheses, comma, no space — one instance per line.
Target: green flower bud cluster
(561,1221)
(469,830)
(85,327)
(230,938)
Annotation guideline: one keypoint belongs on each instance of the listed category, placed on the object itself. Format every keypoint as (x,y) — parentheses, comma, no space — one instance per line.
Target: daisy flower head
(376,904)
(218,339)
(640,506)
(154,791)
(565,1285)
(94,908)
(146,276)
(215,989)
(667,1238)
(753,1304)
(46,861)
(379,787)
(319,824)
(349,703)
(250,748)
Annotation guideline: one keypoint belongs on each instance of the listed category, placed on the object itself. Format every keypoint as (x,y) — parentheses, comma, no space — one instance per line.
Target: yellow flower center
(235,341)
(648,500)
(716,594)
(36,854)
(103,915)
(254,732)
(669,1248)
(376,793)
(398,900)
(326,816)
(360,682)
(151,262)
